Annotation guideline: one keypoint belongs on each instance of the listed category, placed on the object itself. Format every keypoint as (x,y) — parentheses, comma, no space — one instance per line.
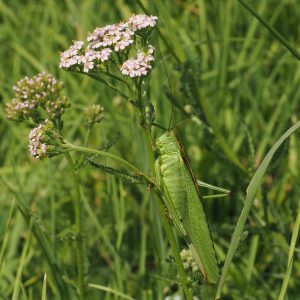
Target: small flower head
(141,66)
(93,114)
(116,36)
(139,22)
(45,141)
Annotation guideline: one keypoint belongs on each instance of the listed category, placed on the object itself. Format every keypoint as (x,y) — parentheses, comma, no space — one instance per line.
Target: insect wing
(196,224)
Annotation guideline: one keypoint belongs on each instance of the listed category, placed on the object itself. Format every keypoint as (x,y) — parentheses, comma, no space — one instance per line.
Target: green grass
(237,86)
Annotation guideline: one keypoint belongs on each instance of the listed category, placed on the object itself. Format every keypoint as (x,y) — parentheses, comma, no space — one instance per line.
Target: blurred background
(233,87)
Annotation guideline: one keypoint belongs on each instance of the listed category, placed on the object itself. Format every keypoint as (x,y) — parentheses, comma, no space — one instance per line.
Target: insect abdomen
(185,197)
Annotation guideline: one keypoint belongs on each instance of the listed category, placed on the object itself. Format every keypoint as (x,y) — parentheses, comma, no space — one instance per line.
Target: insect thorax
(167,143)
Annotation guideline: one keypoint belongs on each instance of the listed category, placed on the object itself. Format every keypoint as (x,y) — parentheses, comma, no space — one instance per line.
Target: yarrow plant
(119,51)
(121,57)
(122,53)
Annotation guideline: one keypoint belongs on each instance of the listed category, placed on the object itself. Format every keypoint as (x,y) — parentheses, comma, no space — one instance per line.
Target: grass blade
(291,257)
(110,290)
(272,30)
(6,234)
(44,289)
(250,195)
(16,291)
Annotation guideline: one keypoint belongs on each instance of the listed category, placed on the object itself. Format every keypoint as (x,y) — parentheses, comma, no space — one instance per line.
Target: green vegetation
(227,76)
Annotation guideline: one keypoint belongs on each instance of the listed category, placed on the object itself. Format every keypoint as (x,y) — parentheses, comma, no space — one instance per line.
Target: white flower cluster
(140,66)
(36,147)
(118,36)
(88,58)
(139,22)
(103,41)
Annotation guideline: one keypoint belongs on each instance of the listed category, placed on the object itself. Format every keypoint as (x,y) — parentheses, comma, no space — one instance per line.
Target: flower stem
(114,157)
(87,136)
(157,192)
(158,195)
(166,223)
(79,228)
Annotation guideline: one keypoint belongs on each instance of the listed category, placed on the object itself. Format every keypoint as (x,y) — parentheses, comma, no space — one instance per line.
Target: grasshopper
(183,201)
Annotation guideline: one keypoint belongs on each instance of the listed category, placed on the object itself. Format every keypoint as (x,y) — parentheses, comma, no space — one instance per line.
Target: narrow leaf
(111,291)
(44,290)
(291,256)
(272,30)
(250,195)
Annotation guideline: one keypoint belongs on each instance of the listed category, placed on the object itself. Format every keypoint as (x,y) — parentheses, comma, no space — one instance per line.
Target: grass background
(239,89)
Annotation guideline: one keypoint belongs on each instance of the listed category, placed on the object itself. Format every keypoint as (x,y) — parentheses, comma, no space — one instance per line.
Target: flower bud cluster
(42,90)
(45,141)
(108,41)
(93,114)
(189,263)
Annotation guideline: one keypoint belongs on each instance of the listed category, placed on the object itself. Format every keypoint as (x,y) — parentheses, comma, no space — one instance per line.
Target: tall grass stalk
(79,228)
(250,196)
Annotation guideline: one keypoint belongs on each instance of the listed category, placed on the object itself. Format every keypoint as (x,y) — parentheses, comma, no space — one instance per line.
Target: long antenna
(177,125)
(168,78)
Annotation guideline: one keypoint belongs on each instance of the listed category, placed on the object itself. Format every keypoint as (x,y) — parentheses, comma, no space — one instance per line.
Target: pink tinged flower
(91,57)
(36,147)
(140,66)
(45,141)
(78,45)
(89,65)
(118,36)
(70,57)
(138,22)
(125,41)
(105,54)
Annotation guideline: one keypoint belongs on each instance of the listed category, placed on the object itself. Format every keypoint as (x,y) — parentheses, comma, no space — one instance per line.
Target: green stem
(87,136)
(108,84)
(117,78)
(79,228)
(167,226)
(114,157)
(116,90)
(174,247)
(159,199)
(157,193)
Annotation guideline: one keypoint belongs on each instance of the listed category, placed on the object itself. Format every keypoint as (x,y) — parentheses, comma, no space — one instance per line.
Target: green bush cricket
(183,201)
